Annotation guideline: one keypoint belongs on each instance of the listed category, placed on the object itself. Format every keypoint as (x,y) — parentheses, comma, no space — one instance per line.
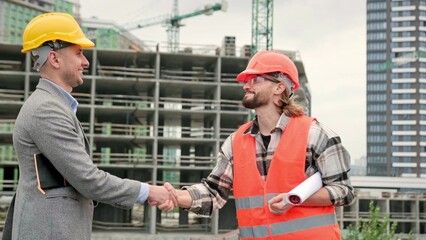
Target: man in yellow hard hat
(269,156)
(58,181)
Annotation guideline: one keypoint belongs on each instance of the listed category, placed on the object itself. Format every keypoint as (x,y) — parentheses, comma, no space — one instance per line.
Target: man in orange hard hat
(58,180)
(270,155)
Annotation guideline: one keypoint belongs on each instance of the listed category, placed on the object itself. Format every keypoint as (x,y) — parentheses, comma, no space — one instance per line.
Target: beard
(255,102)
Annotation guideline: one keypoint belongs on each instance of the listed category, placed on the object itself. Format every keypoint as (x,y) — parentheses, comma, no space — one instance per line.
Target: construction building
(154,116)
(149,114)
(401,200)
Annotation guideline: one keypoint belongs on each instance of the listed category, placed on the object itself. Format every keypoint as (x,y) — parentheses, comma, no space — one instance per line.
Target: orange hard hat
(269,61)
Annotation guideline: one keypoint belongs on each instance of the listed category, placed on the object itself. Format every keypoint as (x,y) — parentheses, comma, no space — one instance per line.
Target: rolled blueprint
(304,190)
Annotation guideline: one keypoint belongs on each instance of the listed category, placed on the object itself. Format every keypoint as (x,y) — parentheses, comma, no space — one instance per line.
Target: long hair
(288,101)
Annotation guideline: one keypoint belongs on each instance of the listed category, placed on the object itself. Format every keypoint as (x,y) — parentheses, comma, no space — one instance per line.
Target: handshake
(166,197)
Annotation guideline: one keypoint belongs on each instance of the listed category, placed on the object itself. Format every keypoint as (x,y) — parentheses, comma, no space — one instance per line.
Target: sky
(330,36)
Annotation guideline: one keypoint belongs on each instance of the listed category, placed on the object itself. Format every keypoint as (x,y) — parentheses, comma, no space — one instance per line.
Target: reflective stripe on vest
(253,202)
(254,232)
(289,226)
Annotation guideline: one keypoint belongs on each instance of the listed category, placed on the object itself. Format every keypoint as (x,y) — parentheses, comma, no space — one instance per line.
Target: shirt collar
(71,100)
(281,124)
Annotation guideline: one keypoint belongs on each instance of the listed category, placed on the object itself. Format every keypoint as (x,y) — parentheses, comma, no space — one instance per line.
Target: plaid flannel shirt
(324,153)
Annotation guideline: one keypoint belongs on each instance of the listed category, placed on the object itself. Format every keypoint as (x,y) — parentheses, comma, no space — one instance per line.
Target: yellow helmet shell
(51,27)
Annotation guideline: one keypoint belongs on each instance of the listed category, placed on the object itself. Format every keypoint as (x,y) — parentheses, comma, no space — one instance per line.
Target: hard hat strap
(40,56)
(56,45)
(284,78)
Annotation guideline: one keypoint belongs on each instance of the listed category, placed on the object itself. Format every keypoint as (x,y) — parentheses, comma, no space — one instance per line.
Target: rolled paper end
(294,199)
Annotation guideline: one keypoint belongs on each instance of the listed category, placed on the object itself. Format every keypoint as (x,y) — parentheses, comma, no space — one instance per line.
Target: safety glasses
(253,79)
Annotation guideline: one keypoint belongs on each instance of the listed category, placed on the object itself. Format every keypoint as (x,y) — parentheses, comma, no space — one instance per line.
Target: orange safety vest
(287,170)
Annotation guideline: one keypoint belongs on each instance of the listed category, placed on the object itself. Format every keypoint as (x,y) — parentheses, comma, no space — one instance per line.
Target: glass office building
(396,88)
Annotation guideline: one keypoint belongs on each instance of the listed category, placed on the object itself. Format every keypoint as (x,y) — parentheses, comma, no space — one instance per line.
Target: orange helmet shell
(268,61)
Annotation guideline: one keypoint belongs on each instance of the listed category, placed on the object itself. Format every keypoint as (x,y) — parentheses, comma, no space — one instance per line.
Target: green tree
(372,228)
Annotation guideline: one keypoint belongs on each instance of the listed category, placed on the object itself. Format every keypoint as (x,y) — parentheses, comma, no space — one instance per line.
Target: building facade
(400,199)
(15,15)
(156,116)
(396,88)
(149,116)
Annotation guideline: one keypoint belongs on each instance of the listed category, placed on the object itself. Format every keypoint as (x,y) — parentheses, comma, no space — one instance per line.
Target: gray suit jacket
(46,124)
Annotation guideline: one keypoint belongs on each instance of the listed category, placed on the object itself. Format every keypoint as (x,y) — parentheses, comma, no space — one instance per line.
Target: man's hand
(277,205)
(163,196)
(174,198)
(170,204)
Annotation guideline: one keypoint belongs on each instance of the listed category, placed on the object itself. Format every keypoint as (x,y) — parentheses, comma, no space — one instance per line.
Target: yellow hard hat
(52,27)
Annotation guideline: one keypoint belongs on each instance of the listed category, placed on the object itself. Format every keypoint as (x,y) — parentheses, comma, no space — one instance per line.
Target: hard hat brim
(243,75)
(84,43)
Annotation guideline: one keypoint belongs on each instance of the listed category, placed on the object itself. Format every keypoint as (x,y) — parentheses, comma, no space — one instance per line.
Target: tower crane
(173,21)
(262,23)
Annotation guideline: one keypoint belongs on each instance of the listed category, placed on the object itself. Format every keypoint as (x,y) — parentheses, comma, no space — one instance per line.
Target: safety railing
(10,184)
(12,95)
(82,98)
(404,215)
(197,76)
(117,71)
(367,214)
(187,103)
(104,225)
(170,223)
(192,161)
(140,102)
(185,48)
(232,105)
(11,65)
(349,214)
(225,132)
(228,77)
(108,129)
(105,157)
(185,132)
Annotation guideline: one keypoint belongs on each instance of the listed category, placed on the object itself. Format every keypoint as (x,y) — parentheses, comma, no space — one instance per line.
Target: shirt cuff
(143,194)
